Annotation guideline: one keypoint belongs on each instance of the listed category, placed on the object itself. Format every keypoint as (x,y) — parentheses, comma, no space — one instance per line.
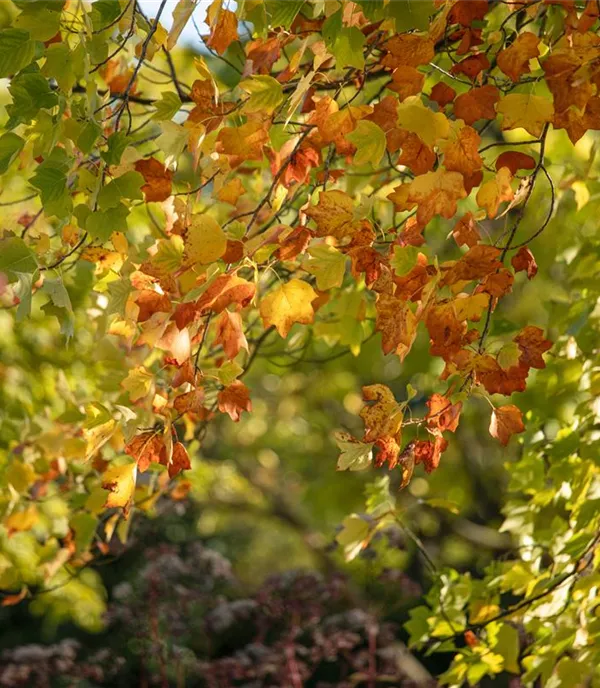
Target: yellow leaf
(120,482)
(289,304)
(526,111)
(428,125)
(495,191)
(205,241)
(138,383)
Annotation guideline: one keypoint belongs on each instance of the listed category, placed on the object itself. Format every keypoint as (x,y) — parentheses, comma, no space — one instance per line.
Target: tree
(322,174)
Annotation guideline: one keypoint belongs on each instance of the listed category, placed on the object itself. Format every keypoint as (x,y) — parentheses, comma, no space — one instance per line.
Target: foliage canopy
(321,175)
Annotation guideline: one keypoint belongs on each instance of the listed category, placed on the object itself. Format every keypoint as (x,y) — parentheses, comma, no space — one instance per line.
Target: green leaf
(24,292)
(354,536)
(283,12)
(355,456)
(328,265)
(10,147)
(127,186)
(88,136)
(410,14)
(101,224)
(16,257)
(345,43)
(507,645)
(59,65)
(50,180)
(40,19)
(266,93)
(59,305)
(404,259)
(370,143)
(117,143)
(379,500)
(17,50)
(30,93)
(167,107)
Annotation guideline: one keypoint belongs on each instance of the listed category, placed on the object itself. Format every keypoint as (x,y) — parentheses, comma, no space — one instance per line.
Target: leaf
(436,193)
(205,241)
(327,264)
(169,104)
(370,143)
(127,186)
(429,126)
(465,231)
(223,32)
(495,191)
(527,111)
(182,13)
(532,344)
(101,224)
(334,215)
(226,290)
(120,482)
(514,60)
(16,257)
(41,20)
(266,94)
(17,50)
(410,15)
(234,399)
(506,421)
(138,383)
(408,49)
(157,177)
(230,334)
(10,147)
(354,536)
(443,414)
(523,260)
(288,304)
(60,65)
(146,448)
(355,455)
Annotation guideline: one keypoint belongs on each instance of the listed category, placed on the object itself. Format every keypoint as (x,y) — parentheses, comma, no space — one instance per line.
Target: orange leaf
(524,260)
(532,344)
(146,448)
(495,191)
(515,161)
(408,50)
(460,153)
(514,60)
(478,103)
(224,32)
(506,421)
(465,231)
(230,334)
(158,179)
(234,400)
(442,94)
(443,414)
(225,291)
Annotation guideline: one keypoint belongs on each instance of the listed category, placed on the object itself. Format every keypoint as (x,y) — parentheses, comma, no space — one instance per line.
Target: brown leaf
(514,60)
(442,94)
(506,421)
(478,103)
(146,448)
(515,161)
(230,334)
(225,291)
(180,461)
(408,50)
(223,32)
(158,179)
(443,414)
(532,344)
(465,231)
(524,260)
(234,399)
